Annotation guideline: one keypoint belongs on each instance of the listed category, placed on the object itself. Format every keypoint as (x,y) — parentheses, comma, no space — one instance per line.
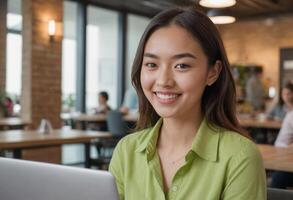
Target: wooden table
(32,145)
(245,122)
(83,119)
(276,158)
(255,123)
(262,131)
(101,117)
(13,123)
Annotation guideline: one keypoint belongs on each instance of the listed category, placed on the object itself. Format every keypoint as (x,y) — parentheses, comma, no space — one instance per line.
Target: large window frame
(81,48)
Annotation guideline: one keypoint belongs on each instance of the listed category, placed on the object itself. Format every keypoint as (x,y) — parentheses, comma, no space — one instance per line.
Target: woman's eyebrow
(183,55)
(150,55)
(177,56)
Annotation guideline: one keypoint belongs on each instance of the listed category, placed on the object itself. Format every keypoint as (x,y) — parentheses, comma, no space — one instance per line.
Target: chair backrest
(116,124)
(279,194)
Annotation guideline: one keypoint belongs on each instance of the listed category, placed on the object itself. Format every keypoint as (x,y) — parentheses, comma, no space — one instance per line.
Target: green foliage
(3,108)
(68,102)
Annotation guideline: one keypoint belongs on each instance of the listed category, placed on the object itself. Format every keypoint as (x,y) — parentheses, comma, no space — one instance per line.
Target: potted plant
(6,105)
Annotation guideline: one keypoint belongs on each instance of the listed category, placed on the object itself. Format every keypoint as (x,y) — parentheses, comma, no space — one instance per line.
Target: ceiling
(242,10)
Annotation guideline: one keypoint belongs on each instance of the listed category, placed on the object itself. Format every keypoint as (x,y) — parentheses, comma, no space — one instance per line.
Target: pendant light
(217,3)
(220,16)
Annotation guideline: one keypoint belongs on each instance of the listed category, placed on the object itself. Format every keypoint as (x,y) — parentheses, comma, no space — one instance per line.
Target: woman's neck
(179,133)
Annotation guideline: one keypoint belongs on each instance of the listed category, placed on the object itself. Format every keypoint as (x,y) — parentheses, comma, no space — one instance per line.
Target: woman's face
(287,96)
(174,72)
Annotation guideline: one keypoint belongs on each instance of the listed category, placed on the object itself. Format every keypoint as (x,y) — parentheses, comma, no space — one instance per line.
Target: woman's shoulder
(233,144)
(133,140)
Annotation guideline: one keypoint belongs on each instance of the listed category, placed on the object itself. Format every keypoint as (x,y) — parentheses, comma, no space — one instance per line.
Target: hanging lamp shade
(217,3)
(219,16)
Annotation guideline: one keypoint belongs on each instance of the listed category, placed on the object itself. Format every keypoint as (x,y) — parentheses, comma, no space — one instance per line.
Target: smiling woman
(188,137)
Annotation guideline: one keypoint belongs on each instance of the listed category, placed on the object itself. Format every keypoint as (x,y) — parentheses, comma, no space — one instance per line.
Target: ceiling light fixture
(217,3)
(220,16)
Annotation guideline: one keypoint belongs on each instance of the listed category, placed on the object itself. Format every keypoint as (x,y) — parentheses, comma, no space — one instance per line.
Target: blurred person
(103,107)
(285,136)
(284,180)
(255,91)
(130,102)
(284,105)
(8,103)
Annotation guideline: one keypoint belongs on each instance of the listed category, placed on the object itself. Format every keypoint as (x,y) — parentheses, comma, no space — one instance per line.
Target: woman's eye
(150,65)
(181,66)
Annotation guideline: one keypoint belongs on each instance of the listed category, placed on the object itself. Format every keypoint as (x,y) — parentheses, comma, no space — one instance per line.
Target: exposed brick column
(41,77)
(3,12)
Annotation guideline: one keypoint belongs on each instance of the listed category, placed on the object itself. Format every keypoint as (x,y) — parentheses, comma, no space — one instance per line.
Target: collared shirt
(220,165)
(285,136)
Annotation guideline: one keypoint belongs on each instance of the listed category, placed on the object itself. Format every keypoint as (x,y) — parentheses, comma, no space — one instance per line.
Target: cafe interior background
(55,56)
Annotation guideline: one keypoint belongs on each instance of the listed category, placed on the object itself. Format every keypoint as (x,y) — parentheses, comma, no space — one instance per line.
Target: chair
(279,194)
(118,128)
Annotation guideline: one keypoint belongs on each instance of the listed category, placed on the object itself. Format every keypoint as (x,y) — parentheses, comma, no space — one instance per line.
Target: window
(136,27)
(101,55)
(69,57)
(14,50)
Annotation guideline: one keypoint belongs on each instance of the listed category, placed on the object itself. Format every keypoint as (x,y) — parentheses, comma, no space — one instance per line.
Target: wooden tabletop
(13,121)
(256,123)
(98,117)
(26,138)
(277,158)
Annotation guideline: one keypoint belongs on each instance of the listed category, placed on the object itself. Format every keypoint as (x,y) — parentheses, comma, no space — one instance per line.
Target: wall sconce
(51,29)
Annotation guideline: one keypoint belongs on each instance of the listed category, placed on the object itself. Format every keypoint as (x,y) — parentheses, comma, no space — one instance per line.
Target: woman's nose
(165,77)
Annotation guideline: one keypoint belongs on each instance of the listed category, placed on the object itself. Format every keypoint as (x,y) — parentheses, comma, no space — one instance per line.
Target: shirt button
(174,188)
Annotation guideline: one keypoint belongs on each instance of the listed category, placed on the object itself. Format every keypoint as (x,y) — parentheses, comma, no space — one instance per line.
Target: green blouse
(220,165)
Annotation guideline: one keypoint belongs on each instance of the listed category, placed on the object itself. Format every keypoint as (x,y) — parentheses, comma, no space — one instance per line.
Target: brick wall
(41,78)
(3,11)
(258,42)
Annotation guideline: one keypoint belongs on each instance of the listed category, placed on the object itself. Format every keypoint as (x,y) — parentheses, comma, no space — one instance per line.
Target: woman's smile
(167,97)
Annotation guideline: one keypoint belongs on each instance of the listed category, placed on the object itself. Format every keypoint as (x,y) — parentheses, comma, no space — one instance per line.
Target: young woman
(285,105)
(189,144)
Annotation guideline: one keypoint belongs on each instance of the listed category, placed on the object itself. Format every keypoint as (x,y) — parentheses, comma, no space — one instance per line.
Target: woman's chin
(166,113)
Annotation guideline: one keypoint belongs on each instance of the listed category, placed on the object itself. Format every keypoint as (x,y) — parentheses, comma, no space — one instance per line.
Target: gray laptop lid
(26,180)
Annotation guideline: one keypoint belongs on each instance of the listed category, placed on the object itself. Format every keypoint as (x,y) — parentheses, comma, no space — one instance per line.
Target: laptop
(27,180)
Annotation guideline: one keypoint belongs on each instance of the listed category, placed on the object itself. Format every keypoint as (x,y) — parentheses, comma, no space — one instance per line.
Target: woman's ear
(214,73)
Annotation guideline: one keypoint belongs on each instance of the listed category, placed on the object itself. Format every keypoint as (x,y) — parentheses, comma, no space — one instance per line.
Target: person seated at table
(130,102)
(103,103)
(280,179)
(255,91)
(285,104)
(8,104)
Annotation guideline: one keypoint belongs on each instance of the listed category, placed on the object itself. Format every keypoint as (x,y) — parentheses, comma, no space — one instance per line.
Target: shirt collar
(205,144)
(150,141)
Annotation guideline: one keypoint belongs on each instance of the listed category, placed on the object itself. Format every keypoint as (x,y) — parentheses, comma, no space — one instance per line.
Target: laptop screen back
(26,180)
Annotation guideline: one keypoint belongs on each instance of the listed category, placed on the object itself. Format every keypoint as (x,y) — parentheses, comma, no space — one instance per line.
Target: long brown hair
(218,100)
